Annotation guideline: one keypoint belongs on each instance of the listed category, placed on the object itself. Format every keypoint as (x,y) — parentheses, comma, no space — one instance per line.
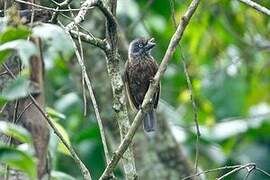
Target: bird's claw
(141,109)
(151,80)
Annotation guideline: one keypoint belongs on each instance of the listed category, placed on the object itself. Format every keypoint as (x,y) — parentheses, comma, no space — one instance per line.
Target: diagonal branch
(256,6)
(213,170)
(249,165)
(80,17)
(93,99)
(235,168)
(46,8)
(153,86)
(91,93)
(85,172)
(194,106)
(85,7)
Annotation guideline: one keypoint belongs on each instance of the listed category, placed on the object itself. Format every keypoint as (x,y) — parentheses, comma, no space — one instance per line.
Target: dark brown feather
(138,74)
(140,69)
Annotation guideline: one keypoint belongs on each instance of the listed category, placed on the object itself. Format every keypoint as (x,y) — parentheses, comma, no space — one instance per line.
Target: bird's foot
(151,80)
(141,109)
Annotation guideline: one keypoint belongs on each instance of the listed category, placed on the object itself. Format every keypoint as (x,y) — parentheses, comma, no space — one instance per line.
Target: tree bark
(160,156)
(33,120)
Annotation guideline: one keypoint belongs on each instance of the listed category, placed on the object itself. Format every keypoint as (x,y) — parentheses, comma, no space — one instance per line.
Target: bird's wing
(130,97)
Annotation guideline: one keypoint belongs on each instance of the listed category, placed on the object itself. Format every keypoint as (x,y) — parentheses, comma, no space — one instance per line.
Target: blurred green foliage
(227,50)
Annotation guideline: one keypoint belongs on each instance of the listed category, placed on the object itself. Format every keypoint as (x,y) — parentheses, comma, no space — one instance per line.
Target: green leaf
(18,160)
(12,33)
(61,147)
(57,175)
(57,43)
(25,50)
(17,88)
(55,113)
(4,54)
(3,101)
(16,132)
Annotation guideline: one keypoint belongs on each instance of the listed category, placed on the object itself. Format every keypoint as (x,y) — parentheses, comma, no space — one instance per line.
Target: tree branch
(249,165)
(47,8)
(64,3)
(80,17)
(83,10)
(114,71)
(235,168)
(93,99)
(211,170)
(84,170)
(256,6)
(153,86)
(192,99)
(89,39)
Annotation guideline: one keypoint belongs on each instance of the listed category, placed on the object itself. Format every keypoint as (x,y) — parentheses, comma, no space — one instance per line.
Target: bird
(140,69)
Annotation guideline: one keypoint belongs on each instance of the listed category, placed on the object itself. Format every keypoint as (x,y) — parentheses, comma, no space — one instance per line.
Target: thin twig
(64,3)
(82,57)
(248,173)
(256,6)
(79,26)
(82,77)
(249,165)
(195,111)
(91,93)
(85,172)
(263,171)
(152,89)
(194,106)
(23,111)
(47,8)
(89,39)
(93,99)
(211,170)
(55,14)
(3,73)
(83,10)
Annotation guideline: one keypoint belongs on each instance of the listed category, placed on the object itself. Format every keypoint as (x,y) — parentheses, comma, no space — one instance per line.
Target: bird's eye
(140,45)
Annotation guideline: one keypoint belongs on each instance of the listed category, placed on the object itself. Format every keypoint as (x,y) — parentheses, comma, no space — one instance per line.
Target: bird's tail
(149,123)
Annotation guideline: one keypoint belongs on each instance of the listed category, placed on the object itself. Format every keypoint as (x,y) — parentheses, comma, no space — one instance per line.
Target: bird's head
(141,47)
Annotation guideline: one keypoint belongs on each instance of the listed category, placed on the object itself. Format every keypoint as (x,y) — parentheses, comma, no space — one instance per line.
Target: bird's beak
(150,44)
